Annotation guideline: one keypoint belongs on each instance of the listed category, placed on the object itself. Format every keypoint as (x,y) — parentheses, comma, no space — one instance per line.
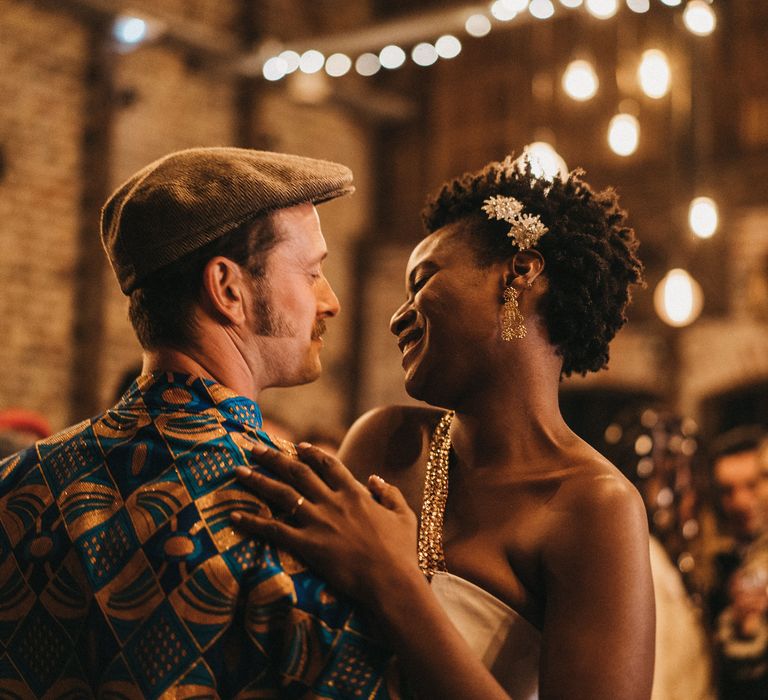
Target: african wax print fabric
(121,575)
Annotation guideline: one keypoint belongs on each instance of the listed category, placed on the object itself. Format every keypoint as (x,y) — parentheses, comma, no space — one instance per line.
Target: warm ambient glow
(580,80)
(654,73)
(602,9)
(624,134)
(545,161)
(703,217)
(699,18)
(678,298)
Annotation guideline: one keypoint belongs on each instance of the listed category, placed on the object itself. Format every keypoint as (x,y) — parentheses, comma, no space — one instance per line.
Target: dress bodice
(507,643)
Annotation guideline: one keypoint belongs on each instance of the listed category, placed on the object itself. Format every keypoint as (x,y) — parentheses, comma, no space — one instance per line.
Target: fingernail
(236,517)
(304,445)
(259,448)
(242,471)
(377,479)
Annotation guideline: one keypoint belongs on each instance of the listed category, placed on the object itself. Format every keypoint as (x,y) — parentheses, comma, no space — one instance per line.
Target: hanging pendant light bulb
(699,18)
(678,298)
(624,134)
(703,217)
(580,80)
(654,73)
(545,161)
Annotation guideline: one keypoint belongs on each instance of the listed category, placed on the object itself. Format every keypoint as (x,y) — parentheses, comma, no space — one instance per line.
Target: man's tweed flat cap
(187,199)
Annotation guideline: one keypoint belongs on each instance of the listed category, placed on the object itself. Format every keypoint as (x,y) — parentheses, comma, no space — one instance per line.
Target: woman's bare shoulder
(389,436)
(597,500)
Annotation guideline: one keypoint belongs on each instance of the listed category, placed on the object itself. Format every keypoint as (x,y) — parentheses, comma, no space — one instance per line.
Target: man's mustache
(318,329)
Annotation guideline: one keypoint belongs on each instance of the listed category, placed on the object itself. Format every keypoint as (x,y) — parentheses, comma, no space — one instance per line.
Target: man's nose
(328,302)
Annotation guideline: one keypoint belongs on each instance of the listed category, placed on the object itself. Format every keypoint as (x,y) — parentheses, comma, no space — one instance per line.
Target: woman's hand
(361,540)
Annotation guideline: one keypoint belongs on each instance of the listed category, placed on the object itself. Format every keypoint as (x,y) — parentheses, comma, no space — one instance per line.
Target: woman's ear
(525,267)
(224,290)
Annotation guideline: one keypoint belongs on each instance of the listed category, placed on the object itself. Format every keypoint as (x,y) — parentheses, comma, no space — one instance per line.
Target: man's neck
(231,372)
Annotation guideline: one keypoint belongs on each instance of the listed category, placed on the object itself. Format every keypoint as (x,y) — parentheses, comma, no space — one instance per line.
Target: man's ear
(225,290)
(524,268)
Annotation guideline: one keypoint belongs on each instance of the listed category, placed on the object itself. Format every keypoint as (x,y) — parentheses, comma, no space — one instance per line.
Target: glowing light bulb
(338,64)
(391,57)
(274,69)
(545,161)
(424,54)
(291,59)
(502,12)
(541,9)
(703,217)
(699,18)
(624,134)
(367,64)
(571,3)
(602,9)
(311,61)
(130,30)
(516,5)
(678,298)
(672,3)
(448,46)
(477,25)
(639,6)
(580,80)
(654,74)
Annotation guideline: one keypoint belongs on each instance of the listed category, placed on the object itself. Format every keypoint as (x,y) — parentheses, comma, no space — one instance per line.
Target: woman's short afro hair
(589,251)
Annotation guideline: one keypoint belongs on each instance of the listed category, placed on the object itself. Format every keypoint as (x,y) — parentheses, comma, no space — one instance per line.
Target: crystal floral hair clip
(526,228)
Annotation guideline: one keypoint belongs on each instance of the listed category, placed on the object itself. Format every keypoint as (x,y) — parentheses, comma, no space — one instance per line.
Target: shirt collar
(177,391)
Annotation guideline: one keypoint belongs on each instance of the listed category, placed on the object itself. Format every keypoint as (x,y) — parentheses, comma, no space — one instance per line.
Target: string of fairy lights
(678,298)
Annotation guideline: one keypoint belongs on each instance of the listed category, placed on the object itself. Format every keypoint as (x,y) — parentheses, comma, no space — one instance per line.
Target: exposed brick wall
(42,59)
(170,106)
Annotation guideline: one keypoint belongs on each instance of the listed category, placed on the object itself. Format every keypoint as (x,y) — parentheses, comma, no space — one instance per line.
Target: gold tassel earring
(512,323)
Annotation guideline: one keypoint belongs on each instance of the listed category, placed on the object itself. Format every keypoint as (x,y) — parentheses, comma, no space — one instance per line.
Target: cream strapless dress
(507,643)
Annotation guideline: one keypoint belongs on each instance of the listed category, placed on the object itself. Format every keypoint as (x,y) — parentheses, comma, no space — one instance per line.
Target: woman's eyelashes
(419,281)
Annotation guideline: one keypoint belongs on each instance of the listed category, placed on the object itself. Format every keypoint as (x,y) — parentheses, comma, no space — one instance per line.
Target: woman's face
(450,320)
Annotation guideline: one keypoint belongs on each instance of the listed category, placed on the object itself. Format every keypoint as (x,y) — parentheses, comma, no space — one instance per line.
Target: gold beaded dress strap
(431,557)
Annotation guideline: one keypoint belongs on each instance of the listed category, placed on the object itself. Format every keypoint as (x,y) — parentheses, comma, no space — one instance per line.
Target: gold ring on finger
(296,506)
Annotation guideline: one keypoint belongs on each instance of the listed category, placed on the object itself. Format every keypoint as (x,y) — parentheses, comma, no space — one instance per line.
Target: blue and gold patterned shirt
(121,575)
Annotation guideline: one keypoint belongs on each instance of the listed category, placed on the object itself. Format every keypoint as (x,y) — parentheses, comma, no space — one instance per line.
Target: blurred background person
(660,454)
(738,598)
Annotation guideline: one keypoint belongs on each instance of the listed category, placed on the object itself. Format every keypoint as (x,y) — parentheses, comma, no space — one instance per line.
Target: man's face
(293,299)
(737,478)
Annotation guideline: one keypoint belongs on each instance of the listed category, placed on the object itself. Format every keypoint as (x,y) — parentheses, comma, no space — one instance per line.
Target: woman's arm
(366,547)
(598,637)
